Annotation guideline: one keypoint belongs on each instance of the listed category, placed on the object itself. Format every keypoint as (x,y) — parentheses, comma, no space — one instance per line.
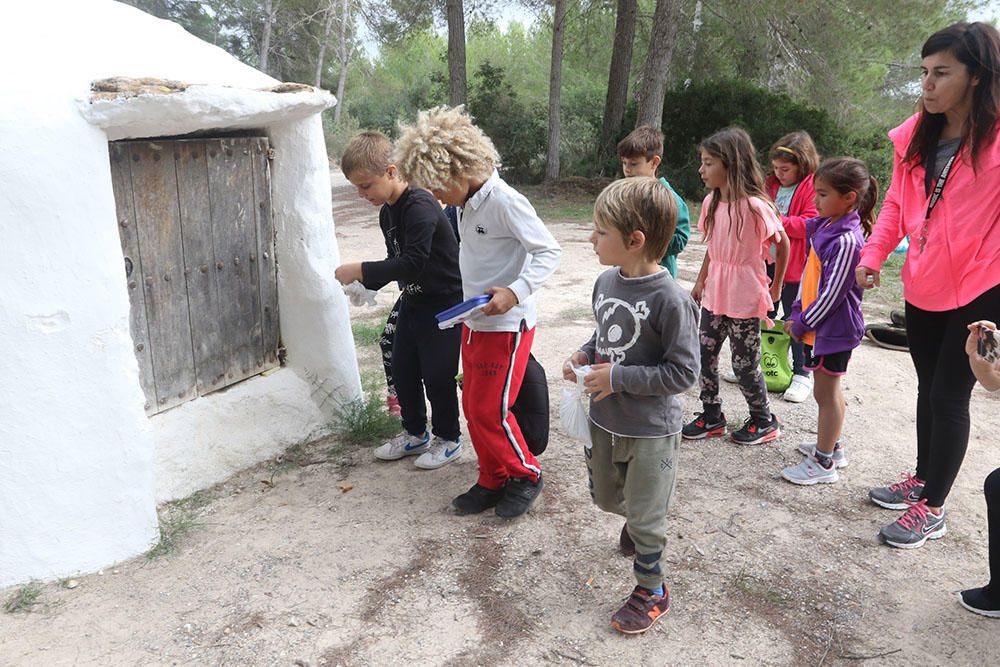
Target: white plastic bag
(359,294)
(573,413)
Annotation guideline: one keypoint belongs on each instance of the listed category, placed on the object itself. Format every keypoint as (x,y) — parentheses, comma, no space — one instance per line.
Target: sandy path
(762,572)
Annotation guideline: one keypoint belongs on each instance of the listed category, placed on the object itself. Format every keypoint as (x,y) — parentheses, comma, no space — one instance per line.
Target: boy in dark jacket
(423,259)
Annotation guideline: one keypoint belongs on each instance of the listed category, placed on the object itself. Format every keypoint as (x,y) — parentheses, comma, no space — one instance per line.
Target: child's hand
(348,273)
(503,300)
(598,381)
(775,291)
(696,291)
(867,278)
(578,358)
(788,327)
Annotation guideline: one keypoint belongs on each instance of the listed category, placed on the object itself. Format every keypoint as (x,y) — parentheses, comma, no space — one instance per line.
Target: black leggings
(992,490)
(944,385)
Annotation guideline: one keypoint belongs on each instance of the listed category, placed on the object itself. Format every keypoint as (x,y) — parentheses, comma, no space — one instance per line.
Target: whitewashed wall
(81,466)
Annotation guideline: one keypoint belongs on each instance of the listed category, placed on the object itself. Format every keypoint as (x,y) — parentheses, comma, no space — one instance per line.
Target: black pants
(944,385)
(789,292)
(992,490)
(426,358)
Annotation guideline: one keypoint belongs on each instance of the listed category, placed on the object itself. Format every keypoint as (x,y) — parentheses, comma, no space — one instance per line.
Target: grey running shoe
(839,457)
(404,444)
(917,525)
(900,495)
(810,472)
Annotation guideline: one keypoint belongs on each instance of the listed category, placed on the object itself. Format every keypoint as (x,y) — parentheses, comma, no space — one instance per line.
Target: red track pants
(493,364)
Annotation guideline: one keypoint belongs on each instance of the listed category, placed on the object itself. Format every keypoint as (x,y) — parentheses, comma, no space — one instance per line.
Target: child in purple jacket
(826,316)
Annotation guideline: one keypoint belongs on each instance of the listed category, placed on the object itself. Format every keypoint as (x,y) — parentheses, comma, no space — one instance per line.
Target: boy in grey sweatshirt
(643,353)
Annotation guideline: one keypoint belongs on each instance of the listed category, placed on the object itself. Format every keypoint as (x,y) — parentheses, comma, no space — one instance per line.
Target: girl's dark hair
(743,173)
(845,174)
(977,46)
(799,149)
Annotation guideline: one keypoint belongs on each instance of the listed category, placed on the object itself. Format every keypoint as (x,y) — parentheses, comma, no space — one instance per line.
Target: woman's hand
(867,278)
(598,381)
(578,358)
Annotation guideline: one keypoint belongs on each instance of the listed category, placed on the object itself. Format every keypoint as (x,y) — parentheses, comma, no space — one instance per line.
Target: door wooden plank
(160,240)
(231,188)
(266,264)
(199,256)
(121,182)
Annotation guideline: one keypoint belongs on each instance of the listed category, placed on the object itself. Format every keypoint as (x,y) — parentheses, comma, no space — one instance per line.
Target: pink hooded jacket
(961,259)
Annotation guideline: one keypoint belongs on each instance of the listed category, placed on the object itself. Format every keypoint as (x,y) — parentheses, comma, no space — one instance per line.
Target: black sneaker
(477,499)
(625,543)
(753,433)
(978,601)
(704,427)
(887,336)
(518,496)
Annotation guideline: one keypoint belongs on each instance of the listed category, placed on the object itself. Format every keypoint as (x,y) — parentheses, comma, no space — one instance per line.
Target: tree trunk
(657,71)
(621,62)
(265,38)
(343,53)
(457,85)
(555,91)
(327,29)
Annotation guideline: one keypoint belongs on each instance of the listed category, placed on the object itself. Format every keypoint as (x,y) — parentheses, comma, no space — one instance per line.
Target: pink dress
(737,285)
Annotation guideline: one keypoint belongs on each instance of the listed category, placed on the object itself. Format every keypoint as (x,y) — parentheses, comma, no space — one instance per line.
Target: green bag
(774,363)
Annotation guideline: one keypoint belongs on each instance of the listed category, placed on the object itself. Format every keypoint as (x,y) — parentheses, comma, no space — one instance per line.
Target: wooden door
(196,230)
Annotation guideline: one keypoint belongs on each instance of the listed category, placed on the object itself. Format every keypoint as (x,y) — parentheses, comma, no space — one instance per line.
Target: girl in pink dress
(739,223)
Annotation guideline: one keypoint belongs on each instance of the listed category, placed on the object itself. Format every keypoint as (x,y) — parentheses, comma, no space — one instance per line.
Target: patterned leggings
(744,339)
(385,342)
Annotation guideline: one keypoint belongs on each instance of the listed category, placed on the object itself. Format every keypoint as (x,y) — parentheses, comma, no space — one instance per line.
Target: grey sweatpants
(634,478)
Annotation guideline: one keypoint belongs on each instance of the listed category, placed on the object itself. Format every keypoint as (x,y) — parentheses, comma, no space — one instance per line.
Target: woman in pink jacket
(944,194)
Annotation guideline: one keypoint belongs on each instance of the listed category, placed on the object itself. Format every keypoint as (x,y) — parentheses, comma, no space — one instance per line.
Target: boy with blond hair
(644,352)
(423,259)
(508,253)
(641,153)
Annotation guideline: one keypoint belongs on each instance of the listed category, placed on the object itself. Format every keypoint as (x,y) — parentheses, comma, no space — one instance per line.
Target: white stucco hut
(125,381)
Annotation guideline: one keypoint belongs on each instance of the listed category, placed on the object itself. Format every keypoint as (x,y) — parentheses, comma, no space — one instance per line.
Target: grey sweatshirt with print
(648,328)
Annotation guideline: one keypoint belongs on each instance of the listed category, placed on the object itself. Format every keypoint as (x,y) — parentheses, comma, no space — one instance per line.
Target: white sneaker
(729,376)
(402,445)
(441,452)
(800,389)
(810,472)
(839,456)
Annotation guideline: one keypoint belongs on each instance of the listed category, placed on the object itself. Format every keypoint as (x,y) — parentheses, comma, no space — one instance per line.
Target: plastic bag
(573,413)
(359,294)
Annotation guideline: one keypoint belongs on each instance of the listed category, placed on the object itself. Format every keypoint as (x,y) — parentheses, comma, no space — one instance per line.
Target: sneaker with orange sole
(640,611)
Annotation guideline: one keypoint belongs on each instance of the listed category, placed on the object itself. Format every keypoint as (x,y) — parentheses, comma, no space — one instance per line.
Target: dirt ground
(282,566)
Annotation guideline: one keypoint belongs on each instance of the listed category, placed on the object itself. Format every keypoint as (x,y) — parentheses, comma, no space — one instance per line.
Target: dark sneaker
(518,496)
(887,336)
(900,495)
(477,499)
(640,611)
(898,318)
(753,433)
(917,525)
(979,601)
(704,427)
(625,544)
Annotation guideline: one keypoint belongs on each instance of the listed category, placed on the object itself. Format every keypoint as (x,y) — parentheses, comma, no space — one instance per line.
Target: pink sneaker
(392,404)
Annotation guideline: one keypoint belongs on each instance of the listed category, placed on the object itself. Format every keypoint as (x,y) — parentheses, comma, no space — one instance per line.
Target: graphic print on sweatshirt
(618,326)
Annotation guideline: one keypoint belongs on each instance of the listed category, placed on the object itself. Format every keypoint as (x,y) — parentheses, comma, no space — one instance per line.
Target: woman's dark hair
(845,174)
(977,46)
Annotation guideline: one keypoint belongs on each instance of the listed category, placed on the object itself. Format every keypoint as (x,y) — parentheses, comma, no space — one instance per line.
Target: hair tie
(786,149)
